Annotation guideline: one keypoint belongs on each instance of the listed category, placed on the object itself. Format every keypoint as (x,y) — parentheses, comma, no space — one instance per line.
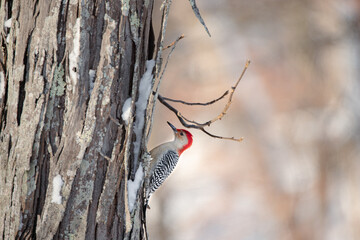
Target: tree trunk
(67,67)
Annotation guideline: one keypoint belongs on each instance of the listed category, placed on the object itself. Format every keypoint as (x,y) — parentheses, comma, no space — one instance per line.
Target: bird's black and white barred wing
(163,169)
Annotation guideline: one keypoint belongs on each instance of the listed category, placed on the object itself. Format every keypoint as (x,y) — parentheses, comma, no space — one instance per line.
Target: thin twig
(227,138)
(232,90)
(199,104)
(174,42)
(208,123)
(165,7)
(104,156)
(114,120)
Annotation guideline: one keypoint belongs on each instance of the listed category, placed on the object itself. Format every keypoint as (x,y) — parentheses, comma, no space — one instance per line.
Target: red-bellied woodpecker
(166,156)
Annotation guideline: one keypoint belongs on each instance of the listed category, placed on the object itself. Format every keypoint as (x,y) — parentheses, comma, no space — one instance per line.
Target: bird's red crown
(189,138)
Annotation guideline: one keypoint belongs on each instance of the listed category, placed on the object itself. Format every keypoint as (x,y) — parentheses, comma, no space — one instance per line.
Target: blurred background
(296,175)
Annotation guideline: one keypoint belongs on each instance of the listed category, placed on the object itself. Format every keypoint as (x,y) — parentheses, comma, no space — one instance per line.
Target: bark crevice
(21,100)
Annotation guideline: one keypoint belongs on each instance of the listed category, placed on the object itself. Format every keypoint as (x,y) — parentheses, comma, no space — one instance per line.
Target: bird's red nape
(190,141)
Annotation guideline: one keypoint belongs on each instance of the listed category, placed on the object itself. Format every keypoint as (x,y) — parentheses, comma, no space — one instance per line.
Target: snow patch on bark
(57,185)
(7,23)
(126,110)
(141,104)
(92,75)
(133,186)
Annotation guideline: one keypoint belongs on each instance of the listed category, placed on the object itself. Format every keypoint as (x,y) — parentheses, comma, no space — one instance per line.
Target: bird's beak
(172,126)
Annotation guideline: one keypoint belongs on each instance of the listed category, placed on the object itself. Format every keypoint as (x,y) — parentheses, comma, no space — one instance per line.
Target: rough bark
(57,120)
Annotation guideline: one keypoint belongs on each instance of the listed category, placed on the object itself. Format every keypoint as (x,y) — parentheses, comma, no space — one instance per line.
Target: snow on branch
(133,186)
(141,104)
(193,124)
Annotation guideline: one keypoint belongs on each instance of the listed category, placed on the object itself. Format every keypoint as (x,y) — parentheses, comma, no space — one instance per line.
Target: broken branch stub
(198,15)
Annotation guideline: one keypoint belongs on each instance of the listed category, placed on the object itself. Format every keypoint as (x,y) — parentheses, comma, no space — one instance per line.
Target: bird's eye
(181,133)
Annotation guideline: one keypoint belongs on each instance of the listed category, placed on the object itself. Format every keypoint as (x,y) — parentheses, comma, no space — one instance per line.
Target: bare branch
(208,123)
(165,7)
(221,115)
(232,90)
(185,122)
(199,104)
(174,42)
(227,138)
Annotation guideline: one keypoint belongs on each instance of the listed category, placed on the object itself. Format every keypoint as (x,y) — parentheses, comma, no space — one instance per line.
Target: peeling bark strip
(66,69)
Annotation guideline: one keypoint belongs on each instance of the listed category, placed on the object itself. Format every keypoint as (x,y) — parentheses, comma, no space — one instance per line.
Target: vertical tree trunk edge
(66,154)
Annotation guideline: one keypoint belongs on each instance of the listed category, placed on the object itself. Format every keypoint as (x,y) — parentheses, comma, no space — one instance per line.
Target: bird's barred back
(163,169)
